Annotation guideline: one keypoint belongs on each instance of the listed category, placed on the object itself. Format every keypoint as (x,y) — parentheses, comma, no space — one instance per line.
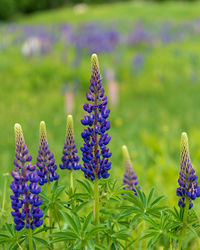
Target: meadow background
(153,49)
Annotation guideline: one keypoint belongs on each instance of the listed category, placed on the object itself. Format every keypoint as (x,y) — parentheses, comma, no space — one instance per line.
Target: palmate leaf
(99,246)
(157,200)
(79,207)
(42,241)
(153,240)
(94,230)
(143,205)
(10,236)
(72,223)
(44,228)
(161,228)
(67,235)
(121,234)
(87,221)
(150,196)
(87,186)
(135,200)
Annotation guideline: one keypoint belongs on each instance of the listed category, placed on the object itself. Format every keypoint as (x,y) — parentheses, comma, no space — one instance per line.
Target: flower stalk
(30,239)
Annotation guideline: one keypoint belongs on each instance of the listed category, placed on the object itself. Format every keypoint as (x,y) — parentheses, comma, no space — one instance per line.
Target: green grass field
(151,113)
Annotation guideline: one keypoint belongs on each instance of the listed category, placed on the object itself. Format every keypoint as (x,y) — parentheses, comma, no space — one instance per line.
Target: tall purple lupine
(70,159)
(130,177)
(45,159)
(95,152)
(189,189)
(25,199)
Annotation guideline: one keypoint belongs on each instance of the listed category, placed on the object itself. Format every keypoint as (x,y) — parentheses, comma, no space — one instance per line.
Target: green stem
(96,204)
(83,244)
(30,240)
(49,191)
(49,212)
(4,194)
(142,234)
(71,180)
(184,222)
(186,211)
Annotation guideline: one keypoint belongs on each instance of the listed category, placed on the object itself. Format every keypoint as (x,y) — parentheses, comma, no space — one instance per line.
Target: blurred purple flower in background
(138,62)
(130,177)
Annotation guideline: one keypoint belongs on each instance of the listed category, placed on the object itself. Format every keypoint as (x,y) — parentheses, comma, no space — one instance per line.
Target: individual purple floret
(95,152)
(25,199)
(130,177)
(70,159)
(45,160)
(189,189)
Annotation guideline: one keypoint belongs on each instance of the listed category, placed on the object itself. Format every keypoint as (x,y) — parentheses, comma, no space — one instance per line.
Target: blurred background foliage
(10,8)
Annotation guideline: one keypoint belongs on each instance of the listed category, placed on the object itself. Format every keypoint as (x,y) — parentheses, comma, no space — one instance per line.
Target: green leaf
(67,235)
(9,228)
(150,196)
(87,186)
(80,206)
(87,221)
(41,230)
(153,240)
(100,246)
(193,231)
(71,222)
(42,241)
(122,234)
(94,231)
(77,221)
(59,191)
(141,196)
(157,200)
(135,200)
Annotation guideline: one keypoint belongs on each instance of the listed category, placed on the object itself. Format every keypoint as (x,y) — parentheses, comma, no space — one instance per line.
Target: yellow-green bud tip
(17,126)
(184,139)
(70,124)
(43,131)
(184,146)
(94,61)
(126,156)
(18,131)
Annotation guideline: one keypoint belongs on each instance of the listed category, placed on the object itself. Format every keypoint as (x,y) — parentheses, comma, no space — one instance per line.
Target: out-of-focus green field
(151,113)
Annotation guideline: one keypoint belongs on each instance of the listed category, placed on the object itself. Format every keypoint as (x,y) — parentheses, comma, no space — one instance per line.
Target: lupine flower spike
(70,159)
(45,160)
(189,189)
(25,199)
(130,177)
(95,152)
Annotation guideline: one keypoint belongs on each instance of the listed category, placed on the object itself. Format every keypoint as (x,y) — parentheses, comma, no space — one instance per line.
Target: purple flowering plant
(70,159)
(45,159)
(25,200)
(130,179)
(100,212)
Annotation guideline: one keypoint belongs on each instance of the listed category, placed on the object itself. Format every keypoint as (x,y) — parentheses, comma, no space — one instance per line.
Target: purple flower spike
(130,177)
(70,159)
(45,160)
(95,152)
(25,199)
(188,189)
